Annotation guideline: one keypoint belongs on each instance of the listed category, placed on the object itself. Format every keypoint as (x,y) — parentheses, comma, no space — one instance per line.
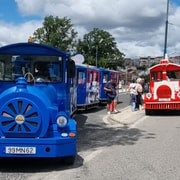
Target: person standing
(132,86)
(116,102)
(110,89)
(116,99)
(139,91)
(133,94)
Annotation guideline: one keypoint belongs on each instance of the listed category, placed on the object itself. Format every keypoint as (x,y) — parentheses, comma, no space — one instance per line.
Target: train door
(104,78)
(81,86)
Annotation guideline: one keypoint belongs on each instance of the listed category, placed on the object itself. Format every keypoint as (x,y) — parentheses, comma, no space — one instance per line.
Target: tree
(99,48)
(57,32)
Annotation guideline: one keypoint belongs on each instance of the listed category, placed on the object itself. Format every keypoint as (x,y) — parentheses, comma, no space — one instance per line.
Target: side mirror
(71,68)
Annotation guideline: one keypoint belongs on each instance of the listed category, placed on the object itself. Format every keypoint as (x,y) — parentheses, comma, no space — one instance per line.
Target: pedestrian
(143,84)
(132,86)
(133,94)
(139,91)
(116,97)
(110,89)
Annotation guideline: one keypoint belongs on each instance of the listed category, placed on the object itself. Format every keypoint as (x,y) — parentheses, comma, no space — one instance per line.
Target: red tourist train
(164,88)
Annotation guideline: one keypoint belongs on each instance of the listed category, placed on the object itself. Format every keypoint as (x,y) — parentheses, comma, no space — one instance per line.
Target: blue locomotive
(37,100)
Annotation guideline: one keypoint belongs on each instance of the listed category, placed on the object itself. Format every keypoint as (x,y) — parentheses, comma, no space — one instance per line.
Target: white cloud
(138,26)
(11,33)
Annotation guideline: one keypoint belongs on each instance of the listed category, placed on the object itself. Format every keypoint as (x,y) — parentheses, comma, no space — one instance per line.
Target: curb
(126,116)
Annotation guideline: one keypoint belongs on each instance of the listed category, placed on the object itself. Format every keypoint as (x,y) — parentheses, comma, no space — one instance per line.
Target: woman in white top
(139,90)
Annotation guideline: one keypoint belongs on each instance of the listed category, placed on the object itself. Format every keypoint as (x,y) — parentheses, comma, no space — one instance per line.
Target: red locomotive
(164,87)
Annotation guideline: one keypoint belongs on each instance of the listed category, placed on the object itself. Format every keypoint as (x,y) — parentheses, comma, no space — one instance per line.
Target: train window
(81,77)
(1,70)
(177,73)
(5,68)
(90,76)
(55,71)
(95,77)
(156,76)
(47,71)
(14,66)
(105,78)
(20,65)
(171,75)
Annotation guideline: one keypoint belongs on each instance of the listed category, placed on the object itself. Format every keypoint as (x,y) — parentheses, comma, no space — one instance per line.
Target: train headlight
(148,95)
(61,121)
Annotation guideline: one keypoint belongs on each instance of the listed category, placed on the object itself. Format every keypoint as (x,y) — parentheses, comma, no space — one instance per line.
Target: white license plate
(164,99)
(20,150)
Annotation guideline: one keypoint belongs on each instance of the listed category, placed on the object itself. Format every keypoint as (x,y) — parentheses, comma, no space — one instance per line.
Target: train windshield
(33,68)
(173,75)
(170,75)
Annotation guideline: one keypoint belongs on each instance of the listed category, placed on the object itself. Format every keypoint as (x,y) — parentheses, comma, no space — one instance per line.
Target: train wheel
(147,112)
(69,160)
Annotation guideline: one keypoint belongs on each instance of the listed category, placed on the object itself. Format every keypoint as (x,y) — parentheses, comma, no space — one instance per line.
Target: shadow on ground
(34,165)
(92,136)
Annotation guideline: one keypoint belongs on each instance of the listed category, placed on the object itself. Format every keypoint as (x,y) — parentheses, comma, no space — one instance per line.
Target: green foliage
(99,47)
(57,32)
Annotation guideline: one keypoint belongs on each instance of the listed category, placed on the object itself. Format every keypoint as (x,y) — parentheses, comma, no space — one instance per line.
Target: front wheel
(147,112)
(69,160)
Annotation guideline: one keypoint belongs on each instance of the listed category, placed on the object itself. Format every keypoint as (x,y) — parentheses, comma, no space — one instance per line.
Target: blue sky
(176,2)
(138,29)
(9,12)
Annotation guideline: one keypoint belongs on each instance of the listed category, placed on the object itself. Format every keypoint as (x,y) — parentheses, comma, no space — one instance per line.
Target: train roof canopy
(165,65)
(31,49)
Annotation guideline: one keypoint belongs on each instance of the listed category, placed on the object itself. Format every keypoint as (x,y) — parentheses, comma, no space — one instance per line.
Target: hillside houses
(136,67)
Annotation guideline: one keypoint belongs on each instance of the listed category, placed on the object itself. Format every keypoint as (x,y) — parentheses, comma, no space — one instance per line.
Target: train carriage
(164,87)
(36,103)
(87,86)
(105,76)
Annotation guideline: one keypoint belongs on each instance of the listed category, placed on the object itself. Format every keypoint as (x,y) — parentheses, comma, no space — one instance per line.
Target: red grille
(171,106)
(164,92)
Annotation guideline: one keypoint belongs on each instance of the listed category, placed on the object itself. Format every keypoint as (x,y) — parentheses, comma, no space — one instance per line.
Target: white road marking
(92,155)
(138,122)
(111,124)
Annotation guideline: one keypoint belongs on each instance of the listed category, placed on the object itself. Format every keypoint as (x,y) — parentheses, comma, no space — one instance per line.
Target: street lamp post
(166,30)
(97,45)
(96,55)
(126,79)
